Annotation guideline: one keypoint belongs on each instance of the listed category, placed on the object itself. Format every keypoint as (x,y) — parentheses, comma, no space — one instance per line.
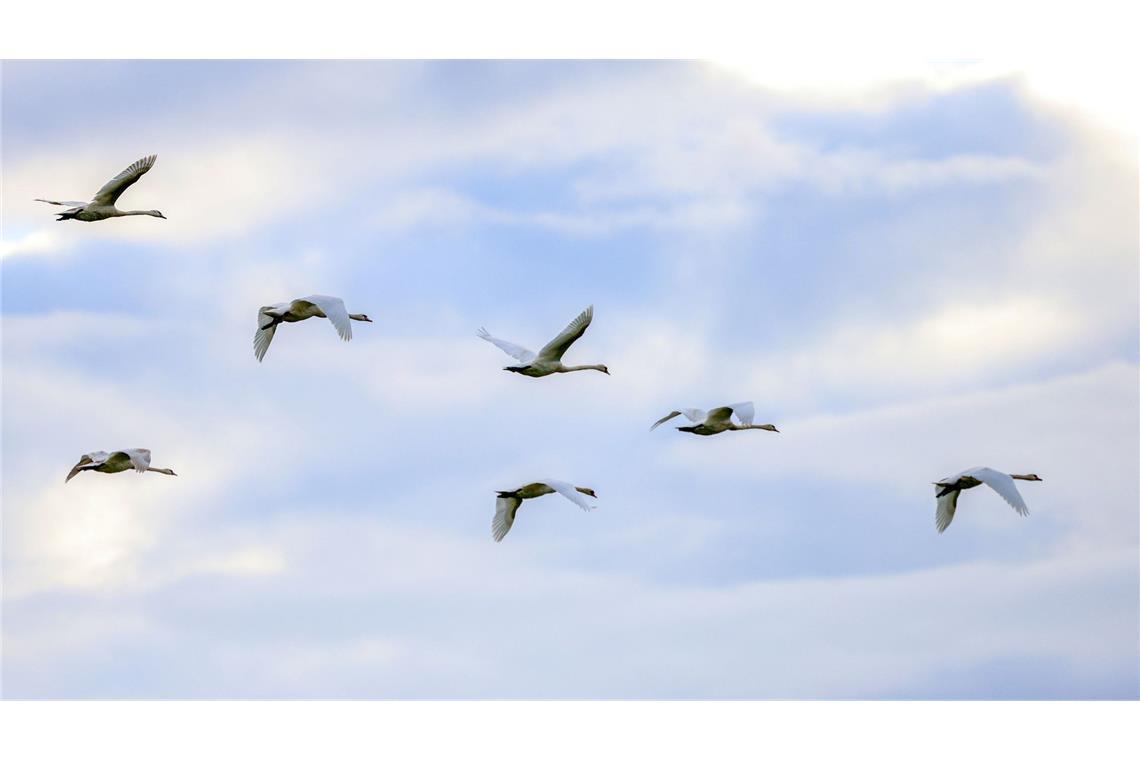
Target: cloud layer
(946,280)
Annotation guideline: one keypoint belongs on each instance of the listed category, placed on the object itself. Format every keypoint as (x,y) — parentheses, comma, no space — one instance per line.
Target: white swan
(330,307)
(549,359)
(116,461)
(718,420)
(947,490)
(508,502)
(102,206)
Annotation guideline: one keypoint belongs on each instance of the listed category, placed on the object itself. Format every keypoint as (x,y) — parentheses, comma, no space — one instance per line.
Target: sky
(909,277)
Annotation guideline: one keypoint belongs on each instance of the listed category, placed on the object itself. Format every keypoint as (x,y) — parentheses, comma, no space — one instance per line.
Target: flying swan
(330,307)
(549,359)
(117,461)
(947,490)
(718,420)
(102,206)
(508,502)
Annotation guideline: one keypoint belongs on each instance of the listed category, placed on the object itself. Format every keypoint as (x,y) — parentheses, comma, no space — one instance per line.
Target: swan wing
(92,458)
(696,415)
(719,415)
(505,509)
(140,458)
(947,503)
(73,204)
(744,411)
(265,330)
(333,308)
(1003,484)
(524,355)
(119,458)
(568,490)
(553,350)
(111,191)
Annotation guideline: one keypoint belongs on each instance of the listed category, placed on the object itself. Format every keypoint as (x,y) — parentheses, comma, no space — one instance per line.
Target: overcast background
(909,278)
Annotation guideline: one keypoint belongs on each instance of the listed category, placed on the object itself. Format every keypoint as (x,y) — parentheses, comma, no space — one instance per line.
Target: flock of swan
(547,361)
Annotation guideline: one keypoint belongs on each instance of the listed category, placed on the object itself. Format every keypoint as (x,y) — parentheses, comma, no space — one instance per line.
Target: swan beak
(366,319)
(161,215)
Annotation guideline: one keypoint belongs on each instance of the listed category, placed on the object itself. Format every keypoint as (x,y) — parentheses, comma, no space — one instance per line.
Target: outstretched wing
(118,458)
(553,350)
(568,490)
(73,204)
(505,509)
(1003,484)
(334,309)
(745,412)
(111,191)
(85,460)
(696,415)
(140,458)
(524,355)
(719,415)
(265,329)
(947,503)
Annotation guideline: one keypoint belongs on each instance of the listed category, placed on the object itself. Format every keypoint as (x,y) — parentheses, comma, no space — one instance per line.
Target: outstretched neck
(580,367)
(163,470)
(140,213)
(1024,477)
(770,428)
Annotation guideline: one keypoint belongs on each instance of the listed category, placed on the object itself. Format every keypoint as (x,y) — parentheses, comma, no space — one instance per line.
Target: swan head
(603,368)
(156,212)
(1030,476)
(588,492)
(768,427)
(359,317)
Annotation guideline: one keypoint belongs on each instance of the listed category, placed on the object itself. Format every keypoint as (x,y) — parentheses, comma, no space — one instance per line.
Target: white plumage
(116,461)
(946,491)
(717,420)
(297,310)
(508,502)
(549,359)
(102,205)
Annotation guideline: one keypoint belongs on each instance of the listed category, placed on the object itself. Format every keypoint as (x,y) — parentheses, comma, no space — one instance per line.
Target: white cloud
(957,345)
(35,242)
(1077,432)
(207,187)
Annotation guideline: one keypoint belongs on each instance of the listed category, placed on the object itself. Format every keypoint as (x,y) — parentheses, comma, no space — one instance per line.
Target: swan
(330,307)
(718,420)
(508,502)
(947,490)
(116,461)
(549,358)
(102,206)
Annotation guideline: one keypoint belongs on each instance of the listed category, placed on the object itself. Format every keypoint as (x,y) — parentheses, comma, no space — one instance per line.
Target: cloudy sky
(909,277)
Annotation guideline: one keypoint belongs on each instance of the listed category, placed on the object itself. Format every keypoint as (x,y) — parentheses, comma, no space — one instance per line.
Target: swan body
(297,310)
(717,420)
(548,360)
(946,491)
(116,461)
(507,505)
(102,206)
